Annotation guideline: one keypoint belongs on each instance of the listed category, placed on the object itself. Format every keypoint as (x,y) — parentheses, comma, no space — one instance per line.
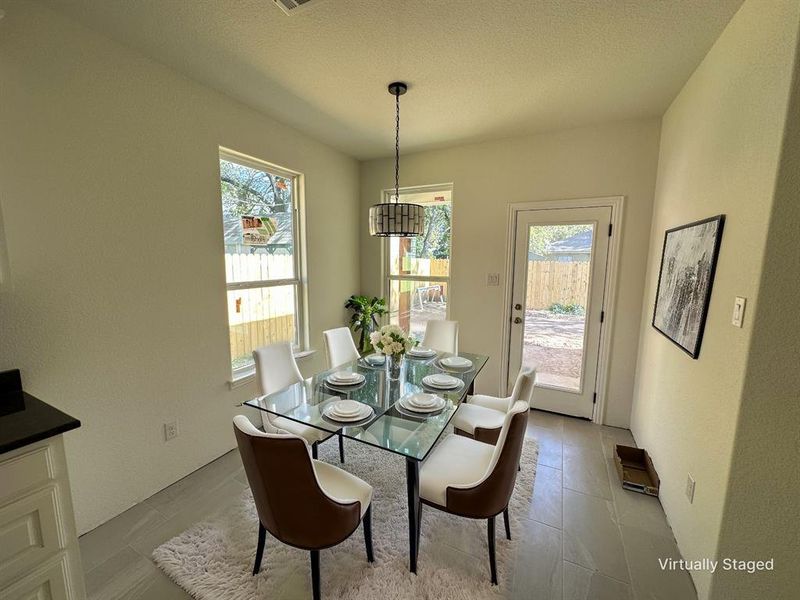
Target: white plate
(365,413)
(375,359)
(456,362)
(341,378)
(346,408)
(345,376)
(421,352)
(439,405)
(422,400)
(441,381)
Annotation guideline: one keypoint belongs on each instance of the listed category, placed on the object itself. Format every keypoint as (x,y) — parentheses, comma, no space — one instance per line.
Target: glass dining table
(391,427)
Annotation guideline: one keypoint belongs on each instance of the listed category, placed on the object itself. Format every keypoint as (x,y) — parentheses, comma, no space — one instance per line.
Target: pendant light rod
(397,89)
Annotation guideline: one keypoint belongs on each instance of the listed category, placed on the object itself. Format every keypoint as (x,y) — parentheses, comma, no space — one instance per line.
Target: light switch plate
(738,311)
(690,483)
(493,279)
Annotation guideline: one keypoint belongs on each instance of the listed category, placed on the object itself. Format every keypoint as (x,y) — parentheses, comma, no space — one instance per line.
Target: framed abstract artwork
(688,262)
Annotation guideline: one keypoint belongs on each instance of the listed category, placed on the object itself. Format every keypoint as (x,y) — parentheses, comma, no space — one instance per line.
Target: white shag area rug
(213,560)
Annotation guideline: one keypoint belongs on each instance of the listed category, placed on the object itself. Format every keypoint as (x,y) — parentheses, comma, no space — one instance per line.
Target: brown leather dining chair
(302,502)
(472,479)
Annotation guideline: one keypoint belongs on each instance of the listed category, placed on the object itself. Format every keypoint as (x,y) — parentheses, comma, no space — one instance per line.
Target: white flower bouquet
(391,340)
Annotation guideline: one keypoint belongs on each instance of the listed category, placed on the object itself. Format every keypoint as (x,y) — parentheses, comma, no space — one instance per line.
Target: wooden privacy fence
(563,282)
(246,337)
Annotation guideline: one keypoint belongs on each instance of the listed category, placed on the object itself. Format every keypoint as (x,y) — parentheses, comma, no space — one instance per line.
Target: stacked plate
(375,360)
(420,352)
(423,403)
(347,411)
(440,381)
(456,362)
(344,379)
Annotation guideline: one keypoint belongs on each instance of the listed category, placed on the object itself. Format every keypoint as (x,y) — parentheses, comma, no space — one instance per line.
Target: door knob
(517,320)
(518,306)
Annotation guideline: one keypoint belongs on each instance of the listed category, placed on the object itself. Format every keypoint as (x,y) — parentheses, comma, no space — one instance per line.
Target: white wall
(115,310)
(609,160)
(760,515)
(720,151)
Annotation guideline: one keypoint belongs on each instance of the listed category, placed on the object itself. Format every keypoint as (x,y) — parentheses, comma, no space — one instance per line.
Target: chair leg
(341,448)
(262,537)
(315,574)
(368,533)
(507,524)
(314,450)
(492,564)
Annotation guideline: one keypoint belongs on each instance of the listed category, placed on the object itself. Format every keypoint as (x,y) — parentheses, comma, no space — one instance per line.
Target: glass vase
(394,365)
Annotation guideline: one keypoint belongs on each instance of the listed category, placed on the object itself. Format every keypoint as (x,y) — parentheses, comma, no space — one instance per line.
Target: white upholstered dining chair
(441,336)
(481,417)
(339,346)
(472,479)
(276,369)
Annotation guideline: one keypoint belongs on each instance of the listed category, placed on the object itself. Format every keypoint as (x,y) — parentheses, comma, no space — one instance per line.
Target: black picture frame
(690,253)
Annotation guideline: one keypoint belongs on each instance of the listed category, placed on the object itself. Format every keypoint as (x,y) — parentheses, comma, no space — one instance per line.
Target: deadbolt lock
(518,306)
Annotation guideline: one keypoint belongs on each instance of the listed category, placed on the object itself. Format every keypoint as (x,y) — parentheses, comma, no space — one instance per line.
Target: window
(418,269)
(262,256)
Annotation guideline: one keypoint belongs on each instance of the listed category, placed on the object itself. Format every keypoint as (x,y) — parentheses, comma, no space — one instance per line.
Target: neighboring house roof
(232,225)
(580,243)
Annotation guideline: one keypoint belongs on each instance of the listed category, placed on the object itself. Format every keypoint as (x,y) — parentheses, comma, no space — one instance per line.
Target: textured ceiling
(476,69)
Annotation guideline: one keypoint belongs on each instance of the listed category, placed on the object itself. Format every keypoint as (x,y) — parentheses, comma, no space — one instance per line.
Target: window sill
(250,375)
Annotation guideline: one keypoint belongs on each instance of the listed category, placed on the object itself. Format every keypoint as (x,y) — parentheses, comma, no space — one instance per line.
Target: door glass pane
(260,316)
(413,303)
(559,261)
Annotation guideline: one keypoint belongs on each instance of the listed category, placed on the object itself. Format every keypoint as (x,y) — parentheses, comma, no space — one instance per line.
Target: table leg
(470,389)
(412,484)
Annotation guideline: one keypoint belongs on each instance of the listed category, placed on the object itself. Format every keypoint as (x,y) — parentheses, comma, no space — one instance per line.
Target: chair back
(441,336)
(523,386)
(491,494)
(291,504)
(339,346)
(276,368)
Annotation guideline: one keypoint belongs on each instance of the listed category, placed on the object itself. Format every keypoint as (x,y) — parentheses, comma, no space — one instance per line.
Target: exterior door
(560,261)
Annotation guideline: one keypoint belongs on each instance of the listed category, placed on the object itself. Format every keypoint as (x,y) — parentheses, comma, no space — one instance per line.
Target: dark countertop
(25,419)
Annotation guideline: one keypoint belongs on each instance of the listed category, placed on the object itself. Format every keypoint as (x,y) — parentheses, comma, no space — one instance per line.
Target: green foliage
(435,243)
(365,315)
(567,309)
(541,236)
(248,191)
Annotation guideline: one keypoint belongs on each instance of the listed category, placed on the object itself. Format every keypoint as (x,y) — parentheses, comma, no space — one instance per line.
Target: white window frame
(387,276)
(300,343)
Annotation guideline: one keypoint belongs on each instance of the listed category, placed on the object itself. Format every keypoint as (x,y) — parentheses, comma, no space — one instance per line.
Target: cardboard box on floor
(636,471)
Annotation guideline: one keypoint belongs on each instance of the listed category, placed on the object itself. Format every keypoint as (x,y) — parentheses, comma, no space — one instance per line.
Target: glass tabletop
(390,425)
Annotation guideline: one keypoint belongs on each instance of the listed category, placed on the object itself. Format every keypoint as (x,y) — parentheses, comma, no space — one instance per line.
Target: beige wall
(115,309)
(608,160)
(720,149)
(760,515)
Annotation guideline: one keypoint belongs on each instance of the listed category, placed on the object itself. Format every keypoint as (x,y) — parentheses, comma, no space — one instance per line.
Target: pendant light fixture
(397,219)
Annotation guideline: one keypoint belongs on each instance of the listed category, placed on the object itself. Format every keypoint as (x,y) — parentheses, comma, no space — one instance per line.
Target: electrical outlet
(170,430)
(493,279)
(690,488)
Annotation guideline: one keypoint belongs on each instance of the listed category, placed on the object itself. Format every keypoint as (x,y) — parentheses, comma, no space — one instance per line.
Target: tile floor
(584,536)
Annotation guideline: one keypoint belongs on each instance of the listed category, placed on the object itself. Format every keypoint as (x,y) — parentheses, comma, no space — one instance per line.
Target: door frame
(617,205)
